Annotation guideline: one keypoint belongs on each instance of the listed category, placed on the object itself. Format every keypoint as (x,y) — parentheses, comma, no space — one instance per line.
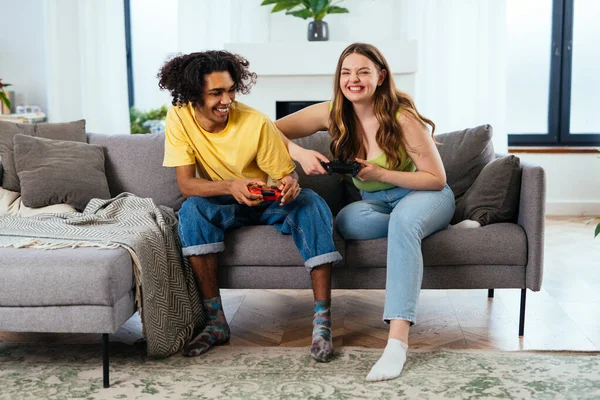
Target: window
(553,85)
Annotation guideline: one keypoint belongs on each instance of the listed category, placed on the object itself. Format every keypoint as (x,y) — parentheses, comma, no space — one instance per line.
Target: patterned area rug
(74,371)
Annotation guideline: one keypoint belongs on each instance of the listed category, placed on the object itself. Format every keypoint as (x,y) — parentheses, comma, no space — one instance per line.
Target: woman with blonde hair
(401,180)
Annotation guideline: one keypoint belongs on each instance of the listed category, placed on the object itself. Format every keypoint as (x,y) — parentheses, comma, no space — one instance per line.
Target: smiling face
(359,78)
(219,94)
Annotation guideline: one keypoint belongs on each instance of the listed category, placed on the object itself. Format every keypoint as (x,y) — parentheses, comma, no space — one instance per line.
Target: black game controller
(342,167)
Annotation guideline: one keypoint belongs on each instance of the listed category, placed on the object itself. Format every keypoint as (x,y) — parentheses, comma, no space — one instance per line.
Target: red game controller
(269,194)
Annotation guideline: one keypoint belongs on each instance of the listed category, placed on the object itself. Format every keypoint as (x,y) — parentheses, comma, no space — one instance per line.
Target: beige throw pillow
(10,204)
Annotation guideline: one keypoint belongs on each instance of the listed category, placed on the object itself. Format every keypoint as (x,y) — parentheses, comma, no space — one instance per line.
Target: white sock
(391,362)
(467,223)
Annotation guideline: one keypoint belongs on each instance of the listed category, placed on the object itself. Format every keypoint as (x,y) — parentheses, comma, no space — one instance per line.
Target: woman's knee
(358,221)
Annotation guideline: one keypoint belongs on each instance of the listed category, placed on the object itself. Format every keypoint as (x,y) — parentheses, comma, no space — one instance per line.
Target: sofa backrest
(134,164)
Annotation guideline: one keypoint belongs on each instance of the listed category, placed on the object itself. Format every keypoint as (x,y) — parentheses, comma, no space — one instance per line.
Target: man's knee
(192,205)
(309,199)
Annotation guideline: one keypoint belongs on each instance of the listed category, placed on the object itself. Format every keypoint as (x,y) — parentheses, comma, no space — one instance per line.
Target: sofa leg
(491,293)
(105,350)
(522,316)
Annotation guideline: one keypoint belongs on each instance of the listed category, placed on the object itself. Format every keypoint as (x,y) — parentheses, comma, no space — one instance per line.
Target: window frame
(559,94)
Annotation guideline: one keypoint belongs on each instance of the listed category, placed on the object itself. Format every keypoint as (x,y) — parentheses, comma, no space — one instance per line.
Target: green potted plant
(4,98)
(147,122)
(316,9)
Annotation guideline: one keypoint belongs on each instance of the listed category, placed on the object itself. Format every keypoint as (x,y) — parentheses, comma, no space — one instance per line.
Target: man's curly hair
(183,75)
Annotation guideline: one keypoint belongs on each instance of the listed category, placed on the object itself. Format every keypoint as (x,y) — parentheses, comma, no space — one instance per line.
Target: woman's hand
(369,171)
(311,161)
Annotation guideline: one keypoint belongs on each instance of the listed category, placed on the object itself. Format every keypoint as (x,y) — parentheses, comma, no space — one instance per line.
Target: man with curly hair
(219,146)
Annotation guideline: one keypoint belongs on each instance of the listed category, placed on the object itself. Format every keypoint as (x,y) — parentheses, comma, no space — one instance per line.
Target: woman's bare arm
(305,122)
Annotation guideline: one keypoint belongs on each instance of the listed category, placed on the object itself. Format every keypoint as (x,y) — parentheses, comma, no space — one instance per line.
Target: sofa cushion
(134,165)
(59,172)
(73,131)
(80,276)
(264,245)
(464,154)
(329,187)
(496,244)
(494,196)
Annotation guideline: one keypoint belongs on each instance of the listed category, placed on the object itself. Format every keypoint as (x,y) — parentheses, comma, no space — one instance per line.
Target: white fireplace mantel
(303,71)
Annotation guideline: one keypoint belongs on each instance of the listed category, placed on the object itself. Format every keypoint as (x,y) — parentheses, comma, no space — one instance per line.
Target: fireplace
(283,108)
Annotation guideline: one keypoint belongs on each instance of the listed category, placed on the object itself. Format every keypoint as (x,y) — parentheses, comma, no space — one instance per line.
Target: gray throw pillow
(494,196)
(73,131)
(464,154)
(59,171)
(134,164)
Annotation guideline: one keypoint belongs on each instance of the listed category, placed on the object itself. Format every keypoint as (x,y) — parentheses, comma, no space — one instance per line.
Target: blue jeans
(405,217)
(204,220)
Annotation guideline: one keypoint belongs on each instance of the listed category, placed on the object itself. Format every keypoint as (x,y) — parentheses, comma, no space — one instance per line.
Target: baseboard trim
(578,208)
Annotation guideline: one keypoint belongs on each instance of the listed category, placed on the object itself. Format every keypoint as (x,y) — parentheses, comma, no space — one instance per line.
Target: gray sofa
(85,290)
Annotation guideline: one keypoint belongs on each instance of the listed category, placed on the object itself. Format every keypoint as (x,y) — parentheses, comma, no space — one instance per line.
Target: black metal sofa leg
(105,350)
(522,316)
(491,293)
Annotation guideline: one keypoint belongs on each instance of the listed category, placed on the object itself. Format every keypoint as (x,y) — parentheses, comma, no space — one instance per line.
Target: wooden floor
(564,315)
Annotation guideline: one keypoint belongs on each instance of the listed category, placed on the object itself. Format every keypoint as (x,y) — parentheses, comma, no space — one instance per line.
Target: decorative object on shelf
(152,121)
(318,30)
(5,97)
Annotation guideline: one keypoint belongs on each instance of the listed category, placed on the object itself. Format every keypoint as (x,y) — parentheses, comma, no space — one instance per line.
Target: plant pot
(318,31)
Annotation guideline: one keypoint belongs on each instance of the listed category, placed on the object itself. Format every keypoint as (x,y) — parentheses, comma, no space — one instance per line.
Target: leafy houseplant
(316,9)
(597,231)
(3,97)
(142,122)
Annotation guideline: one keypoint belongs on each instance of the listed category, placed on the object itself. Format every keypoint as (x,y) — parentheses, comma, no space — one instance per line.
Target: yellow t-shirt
(249,147)
(407,165)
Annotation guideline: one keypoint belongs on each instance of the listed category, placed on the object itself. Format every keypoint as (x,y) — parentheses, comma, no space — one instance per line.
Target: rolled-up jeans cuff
(326,258)
(201,249)
(411,319)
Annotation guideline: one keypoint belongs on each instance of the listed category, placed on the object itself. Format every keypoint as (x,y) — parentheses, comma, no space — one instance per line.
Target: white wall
(22,50)
(153,39)
(572,182)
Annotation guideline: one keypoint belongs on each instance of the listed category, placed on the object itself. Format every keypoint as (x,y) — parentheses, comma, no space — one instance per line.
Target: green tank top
(407,165)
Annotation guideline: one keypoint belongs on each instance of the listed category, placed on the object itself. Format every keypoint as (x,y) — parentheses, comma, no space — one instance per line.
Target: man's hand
(290,189)
(369,171)
(238,188)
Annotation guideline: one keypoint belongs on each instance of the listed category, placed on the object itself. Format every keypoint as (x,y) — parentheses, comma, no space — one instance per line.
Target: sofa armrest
(532,209)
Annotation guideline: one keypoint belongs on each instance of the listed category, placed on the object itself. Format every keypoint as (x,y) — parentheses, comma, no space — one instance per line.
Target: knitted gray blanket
(169,300)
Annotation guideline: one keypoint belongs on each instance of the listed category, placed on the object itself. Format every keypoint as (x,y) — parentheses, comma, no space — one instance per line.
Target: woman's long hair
(346,144)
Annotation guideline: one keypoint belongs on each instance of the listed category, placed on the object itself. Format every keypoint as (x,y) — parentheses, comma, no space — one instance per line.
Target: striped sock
(215,332)
(322,348)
